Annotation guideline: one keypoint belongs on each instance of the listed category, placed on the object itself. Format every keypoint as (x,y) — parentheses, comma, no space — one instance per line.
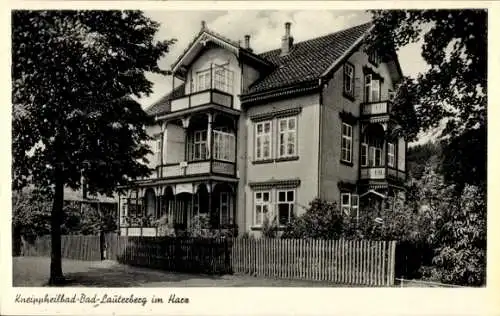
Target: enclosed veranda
(178,208)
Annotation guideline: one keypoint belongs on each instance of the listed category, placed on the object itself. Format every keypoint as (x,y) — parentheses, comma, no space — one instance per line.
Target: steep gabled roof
(307,60)
(206,35)
(163,105)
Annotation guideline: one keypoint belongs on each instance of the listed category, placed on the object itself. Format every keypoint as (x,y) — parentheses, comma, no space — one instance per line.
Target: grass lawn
(34,272)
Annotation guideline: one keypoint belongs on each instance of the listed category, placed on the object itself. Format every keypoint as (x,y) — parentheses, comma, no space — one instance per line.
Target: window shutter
(358,88)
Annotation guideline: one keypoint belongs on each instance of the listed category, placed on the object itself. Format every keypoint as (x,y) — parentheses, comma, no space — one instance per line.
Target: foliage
(30,214)
(454,88)
(460,237)
(73,73)
(464,160)
(165,228)
(322,220)
(420,156)
(270,227)
(200,226)
(87,219)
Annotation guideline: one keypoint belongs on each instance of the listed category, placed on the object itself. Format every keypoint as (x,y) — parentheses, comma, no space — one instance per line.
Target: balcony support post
(211,76)
(210,189)
(386,150)
(185,126)
(209,138)
(235,142)
(162,147)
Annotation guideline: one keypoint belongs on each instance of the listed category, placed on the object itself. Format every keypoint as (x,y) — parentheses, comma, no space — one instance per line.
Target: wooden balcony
(381,173)
(376,108)
(202,98)
(193,168)
(373,173)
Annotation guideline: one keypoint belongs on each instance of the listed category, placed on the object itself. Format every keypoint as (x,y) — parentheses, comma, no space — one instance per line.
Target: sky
(265,28)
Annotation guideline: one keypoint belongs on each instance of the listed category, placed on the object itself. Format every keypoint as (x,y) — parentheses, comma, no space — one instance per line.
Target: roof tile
(163,105)
(308,59)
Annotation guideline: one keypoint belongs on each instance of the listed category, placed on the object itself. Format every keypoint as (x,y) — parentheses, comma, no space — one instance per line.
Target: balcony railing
(378,173)
(201,98)
(139,231)
(192,168)
(376,108)
(373,173)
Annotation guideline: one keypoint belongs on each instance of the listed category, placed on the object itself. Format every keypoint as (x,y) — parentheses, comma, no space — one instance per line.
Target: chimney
(203,25)
(287,40)
(247,42)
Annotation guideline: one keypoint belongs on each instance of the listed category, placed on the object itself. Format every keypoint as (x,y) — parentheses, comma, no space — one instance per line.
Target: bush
(269,228)
(460,239)
(322,220)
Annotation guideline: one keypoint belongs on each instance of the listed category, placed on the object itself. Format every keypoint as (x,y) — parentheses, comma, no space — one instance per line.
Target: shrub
(269,227)
(322,220)
(460,239)
(200,226)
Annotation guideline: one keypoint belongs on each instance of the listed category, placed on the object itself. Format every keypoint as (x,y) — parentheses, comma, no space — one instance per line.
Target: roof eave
(333,67)
(204,35)
(280,92)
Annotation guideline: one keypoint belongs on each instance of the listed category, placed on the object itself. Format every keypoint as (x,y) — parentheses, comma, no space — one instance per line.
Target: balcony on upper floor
(207,88)
(202,98)
(378,108)
(381,173)
(381,157)
(205,153)
(198,168)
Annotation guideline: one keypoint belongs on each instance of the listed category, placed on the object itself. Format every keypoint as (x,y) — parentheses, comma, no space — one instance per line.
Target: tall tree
(73,73)
(453,90)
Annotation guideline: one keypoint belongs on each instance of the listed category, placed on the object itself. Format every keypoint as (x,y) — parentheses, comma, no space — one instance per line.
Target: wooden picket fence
(191,255)
(77,247)
(355,262)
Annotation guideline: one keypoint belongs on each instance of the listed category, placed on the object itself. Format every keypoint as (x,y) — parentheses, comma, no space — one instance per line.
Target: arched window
(150,202)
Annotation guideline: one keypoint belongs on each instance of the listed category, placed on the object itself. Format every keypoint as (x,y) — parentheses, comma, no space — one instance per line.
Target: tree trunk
(56,275)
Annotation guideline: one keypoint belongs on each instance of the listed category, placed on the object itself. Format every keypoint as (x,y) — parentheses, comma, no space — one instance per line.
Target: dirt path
(34,271)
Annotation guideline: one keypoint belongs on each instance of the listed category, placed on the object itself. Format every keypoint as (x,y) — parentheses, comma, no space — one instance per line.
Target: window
(224,146)
(223,79)
(372,89)
(364,155)
(287,137)
(225,217)
(355,205)
(158,149)
(262,206)
(203,80)
(286,201)
(349,204)
(349,79)
(346,154)
(374,58)
(390,154)
(218,77)
(263,140)
(199,145)
(345,203)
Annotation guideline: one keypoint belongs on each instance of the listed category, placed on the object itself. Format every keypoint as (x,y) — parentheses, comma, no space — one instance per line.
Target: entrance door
(182,210)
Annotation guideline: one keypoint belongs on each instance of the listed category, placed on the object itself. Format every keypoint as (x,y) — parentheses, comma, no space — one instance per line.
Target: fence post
(392,257)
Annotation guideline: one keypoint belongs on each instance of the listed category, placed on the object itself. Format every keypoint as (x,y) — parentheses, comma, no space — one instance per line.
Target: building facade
(245,136)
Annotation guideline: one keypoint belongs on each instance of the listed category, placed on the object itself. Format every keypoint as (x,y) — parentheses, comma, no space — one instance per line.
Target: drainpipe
(320,126)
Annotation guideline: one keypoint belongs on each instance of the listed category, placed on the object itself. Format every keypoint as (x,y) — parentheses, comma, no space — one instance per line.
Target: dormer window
(223,79)
(216,77)
(203,80)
